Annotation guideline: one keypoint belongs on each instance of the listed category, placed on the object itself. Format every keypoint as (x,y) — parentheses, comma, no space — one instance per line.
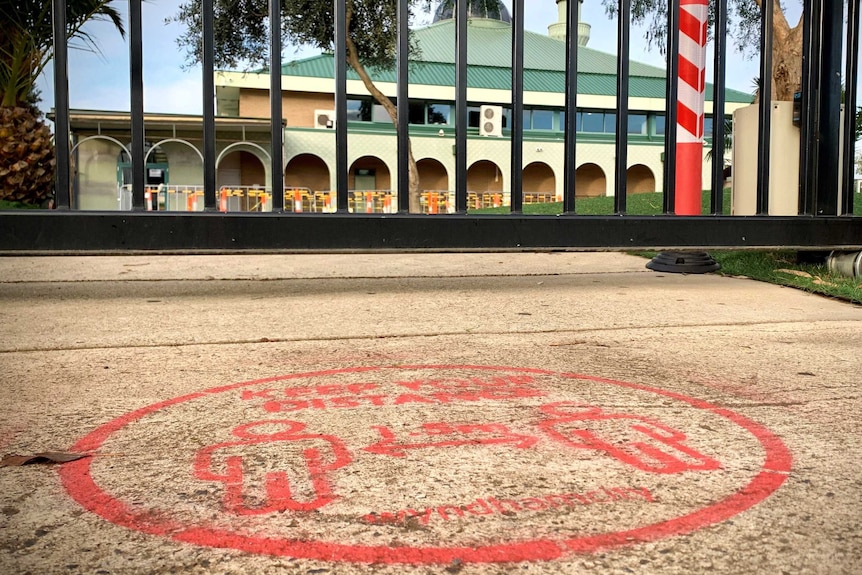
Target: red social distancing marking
(321,454)
(78,481)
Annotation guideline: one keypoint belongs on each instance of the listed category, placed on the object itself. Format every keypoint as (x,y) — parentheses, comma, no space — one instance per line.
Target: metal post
(851,80)
(461,106)
(671,92)
(136,73)
(517,139)
(275,107)
(828,109)
(209,130)
(403,59)
(689,56)
(341,168)
(62,189)
(570,145)
(764,141)
(693,19)
(811,27)
(718,101)
(622,127)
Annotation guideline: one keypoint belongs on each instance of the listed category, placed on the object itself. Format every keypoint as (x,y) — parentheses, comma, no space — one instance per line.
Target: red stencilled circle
(78,481)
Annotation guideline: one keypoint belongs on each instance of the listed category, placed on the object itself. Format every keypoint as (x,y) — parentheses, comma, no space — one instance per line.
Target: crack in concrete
(319,278)
(371,337)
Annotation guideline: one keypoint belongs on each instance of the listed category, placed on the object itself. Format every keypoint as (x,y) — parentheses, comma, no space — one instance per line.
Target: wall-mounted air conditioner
(324,119)
(491,121)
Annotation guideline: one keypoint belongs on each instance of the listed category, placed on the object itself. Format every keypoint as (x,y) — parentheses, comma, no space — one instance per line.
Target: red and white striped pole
(692,86)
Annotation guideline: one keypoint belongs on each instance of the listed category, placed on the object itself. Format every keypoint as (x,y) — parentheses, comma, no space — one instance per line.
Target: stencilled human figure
(642,442)
(273,467)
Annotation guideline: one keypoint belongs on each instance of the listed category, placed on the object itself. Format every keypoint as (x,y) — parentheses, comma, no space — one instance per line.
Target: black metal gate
(824,221)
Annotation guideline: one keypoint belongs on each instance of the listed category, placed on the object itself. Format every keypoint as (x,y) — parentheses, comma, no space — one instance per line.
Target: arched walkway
(539,178)
(640,180)
(241,168)
(307,171)
(95,162)
(369,173)
(484,176)
(432,175)
(590,181)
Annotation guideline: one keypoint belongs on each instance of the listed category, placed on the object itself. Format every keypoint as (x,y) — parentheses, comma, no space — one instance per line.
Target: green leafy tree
(241,39)
(26,46)
(744,30)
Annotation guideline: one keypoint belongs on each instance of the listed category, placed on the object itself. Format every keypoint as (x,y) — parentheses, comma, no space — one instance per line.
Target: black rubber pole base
(683,263)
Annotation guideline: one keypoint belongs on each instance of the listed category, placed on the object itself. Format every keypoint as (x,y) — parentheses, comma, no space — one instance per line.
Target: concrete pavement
(424,413)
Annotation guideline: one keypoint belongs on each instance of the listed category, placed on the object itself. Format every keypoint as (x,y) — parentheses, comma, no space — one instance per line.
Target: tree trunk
(383,100)
(786,62)
(786,55)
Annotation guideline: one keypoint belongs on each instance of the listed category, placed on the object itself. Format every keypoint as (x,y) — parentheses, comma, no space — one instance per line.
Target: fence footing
(683,263)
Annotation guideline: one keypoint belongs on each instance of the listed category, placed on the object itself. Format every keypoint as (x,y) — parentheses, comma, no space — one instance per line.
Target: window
(659,123)
(473,116)
(416,113)
(610,123)
(637,124)
(379,114)
(506,113)
(707,127)
(542,120)
(439,113)
(538,119)
(592,122)
(358,110)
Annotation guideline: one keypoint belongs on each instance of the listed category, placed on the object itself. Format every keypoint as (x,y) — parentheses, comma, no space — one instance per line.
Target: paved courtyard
(424,413)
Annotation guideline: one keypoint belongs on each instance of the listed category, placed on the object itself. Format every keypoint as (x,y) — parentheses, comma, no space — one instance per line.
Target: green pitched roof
(489,43)
(489,58)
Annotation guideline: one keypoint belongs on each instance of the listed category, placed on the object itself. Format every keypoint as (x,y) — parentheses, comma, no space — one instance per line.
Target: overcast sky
(101,81)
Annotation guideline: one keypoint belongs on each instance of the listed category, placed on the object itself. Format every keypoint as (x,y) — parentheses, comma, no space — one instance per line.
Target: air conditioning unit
(324,119)
(491,121)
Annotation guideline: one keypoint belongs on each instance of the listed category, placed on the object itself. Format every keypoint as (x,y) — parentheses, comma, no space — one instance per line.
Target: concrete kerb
(476,413)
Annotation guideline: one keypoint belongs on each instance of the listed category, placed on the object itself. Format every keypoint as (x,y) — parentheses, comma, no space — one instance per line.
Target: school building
(174,159)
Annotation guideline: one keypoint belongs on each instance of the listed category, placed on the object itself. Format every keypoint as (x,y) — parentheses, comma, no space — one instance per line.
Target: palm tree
(26,47)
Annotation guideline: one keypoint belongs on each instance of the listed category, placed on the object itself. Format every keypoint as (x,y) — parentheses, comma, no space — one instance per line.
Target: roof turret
(476,9)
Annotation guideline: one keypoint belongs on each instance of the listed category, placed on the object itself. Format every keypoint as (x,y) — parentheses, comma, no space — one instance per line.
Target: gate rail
(824,221)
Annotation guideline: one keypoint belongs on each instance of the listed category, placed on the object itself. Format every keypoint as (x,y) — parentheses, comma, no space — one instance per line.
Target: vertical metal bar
(136,78)
(829,108)
(62,189)
(851,80)
(461,106)
(208,89)
(671,103)
(811,27)
(341,168)
(275,107)
(403,102)
(570,164)
(718,101)
(516,181)
(622,127)
(764,140)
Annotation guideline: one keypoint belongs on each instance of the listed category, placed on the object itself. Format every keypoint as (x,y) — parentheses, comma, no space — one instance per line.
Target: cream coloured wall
(321,143)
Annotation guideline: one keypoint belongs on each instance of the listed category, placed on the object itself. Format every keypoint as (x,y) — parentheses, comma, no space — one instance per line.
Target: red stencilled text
(418,391)
(495,506)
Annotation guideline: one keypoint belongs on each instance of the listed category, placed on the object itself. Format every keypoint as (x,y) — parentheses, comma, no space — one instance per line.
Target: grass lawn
(783,268)
(777,267)
(7,205)
(636,205)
